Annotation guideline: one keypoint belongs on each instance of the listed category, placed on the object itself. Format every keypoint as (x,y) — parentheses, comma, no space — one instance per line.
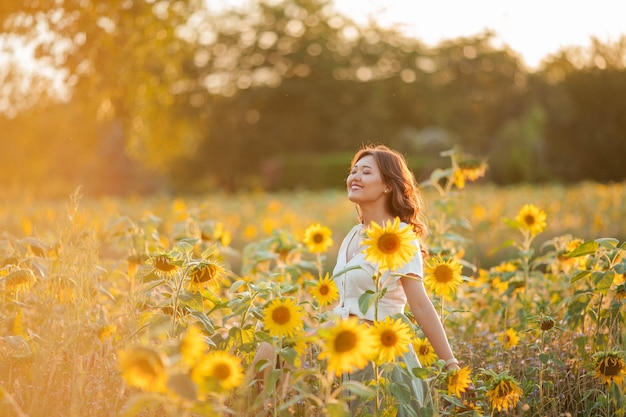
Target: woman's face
(365,183)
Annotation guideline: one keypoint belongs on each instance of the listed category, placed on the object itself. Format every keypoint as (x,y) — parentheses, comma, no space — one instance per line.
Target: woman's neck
(377,215)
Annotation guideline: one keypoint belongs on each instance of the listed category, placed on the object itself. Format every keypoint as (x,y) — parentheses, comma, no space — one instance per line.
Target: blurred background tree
(157,95)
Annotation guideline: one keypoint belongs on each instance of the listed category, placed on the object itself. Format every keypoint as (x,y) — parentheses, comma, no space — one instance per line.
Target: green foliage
(168,95)
(127,264)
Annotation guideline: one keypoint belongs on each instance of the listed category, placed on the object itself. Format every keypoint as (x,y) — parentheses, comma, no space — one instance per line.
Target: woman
(383,188)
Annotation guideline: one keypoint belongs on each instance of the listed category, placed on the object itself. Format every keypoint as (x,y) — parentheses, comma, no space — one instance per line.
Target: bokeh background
(144,141)
(127,97)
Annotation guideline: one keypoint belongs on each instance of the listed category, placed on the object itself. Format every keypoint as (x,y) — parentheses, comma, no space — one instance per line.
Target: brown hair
(405,201)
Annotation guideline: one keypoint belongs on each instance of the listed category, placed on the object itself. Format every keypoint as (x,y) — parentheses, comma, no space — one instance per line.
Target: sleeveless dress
(351,285)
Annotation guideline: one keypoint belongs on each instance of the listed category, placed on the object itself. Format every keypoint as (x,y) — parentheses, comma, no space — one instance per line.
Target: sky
(533,28)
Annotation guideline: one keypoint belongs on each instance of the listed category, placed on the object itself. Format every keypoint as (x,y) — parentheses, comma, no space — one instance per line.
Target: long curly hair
(406,200)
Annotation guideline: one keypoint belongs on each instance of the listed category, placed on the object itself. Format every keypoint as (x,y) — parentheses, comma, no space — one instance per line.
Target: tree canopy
(171,94)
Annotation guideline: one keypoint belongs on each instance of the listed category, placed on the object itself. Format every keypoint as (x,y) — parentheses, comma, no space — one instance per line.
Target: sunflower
(547,323)
(317,238)
(390,246)
(349,346)
(459,381)
(192,346)
(394,337)
(217,371)
(205,274)
(283,317)
(143,368)
(425,352)
(163,263)
(19,280)
(325,291)
(504,392)
(610,366)
(532,219)
(443,276)
(472,169)
(509,338)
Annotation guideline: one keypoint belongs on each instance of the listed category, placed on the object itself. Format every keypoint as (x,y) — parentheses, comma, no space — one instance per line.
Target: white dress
(355,282)
(352,283)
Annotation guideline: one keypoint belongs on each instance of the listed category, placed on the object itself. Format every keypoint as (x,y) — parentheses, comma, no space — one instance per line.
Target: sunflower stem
(177,290)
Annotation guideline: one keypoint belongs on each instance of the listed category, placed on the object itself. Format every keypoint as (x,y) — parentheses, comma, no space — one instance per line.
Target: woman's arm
(427,318)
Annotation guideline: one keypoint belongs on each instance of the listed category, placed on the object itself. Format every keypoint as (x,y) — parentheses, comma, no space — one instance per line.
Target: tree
(126,62)
(584,94)
(478,88)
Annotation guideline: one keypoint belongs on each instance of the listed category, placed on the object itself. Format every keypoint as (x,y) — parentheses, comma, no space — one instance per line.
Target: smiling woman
(379,273)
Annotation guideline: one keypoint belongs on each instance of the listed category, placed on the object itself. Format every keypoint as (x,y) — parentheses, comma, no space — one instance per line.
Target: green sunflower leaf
(587,248)
(366,300)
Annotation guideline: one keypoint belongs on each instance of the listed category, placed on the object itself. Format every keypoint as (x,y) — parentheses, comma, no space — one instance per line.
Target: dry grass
(94,291)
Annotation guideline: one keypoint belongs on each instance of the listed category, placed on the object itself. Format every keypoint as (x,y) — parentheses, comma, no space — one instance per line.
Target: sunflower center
(324,290)
(443,273)
(424,350)
(547,323)
(345,341)
(205,274)
(318,238)
(610,366)
(281,315)
(162,264)
(389,243)
(529,219)
(388,338)
(222,371)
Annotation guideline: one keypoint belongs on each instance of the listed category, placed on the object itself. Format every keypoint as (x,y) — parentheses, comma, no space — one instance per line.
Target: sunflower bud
(546,323)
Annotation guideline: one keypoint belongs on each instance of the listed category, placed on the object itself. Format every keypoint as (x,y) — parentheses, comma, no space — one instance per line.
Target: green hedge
(323,171)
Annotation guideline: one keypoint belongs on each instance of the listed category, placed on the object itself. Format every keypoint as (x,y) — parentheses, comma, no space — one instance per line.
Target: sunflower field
(221,305)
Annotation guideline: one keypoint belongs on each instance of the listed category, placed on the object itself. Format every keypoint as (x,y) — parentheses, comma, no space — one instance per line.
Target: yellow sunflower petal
(504,393)
(459,381)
